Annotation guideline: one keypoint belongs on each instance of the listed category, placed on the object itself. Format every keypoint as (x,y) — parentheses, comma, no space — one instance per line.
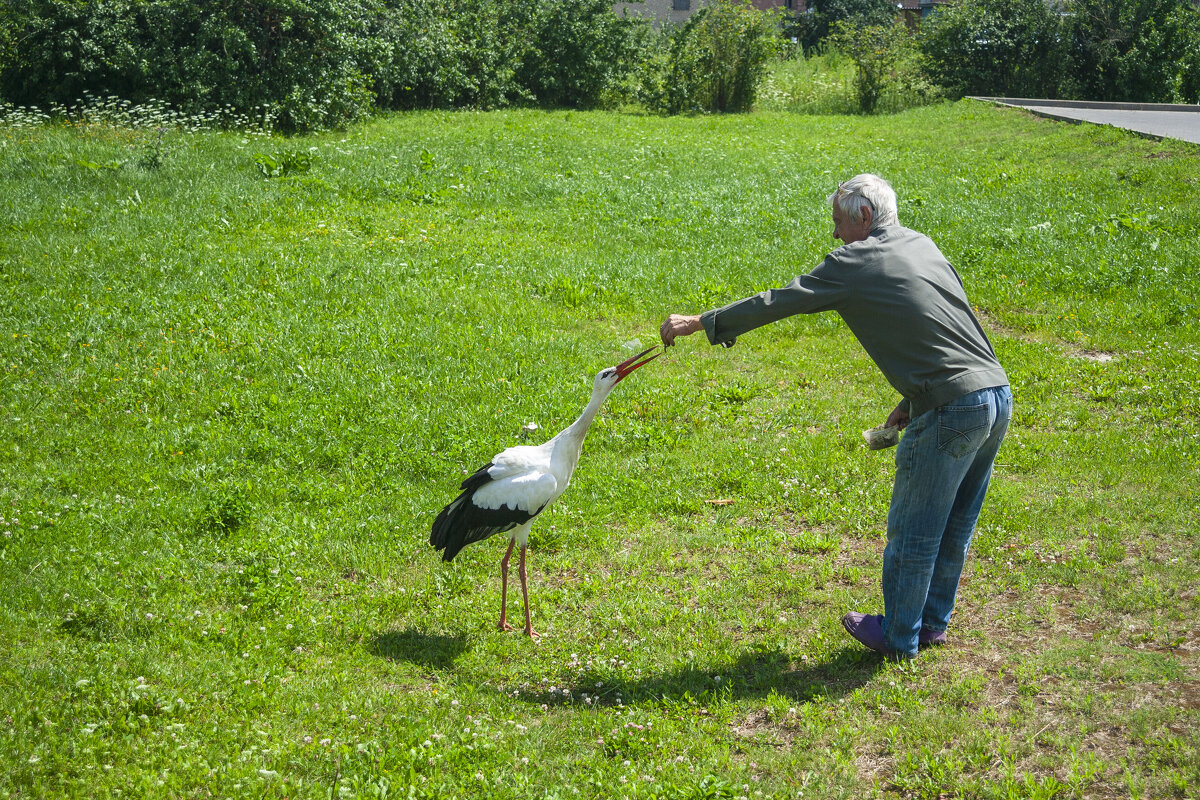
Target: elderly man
(906,305)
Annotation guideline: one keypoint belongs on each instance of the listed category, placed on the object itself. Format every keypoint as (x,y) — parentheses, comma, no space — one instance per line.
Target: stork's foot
(504,626)
(532,634)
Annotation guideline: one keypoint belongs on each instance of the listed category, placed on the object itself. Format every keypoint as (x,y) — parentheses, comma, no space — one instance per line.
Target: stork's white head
(609,377)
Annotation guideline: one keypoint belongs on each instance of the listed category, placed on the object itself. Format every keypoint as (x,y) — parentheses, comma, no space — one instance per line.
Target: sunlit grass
(233,399)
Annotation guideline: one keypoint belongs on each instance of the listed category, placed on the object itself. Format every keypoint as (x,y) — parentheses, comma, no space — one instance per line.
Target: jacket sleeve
(820,290)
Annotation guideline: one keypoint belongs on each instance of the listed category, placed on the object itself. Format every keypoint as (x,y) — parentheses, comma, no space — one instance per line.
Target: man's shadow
(432,650)
(754,674)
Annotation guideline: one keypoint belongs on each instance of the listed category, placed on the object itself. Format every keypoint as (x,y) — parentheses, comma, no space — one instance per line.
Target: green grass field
(242,374)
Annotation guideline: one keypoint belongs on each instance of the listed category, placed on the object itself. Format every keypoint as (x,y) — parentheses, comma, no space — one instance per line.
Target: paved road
(1152,119)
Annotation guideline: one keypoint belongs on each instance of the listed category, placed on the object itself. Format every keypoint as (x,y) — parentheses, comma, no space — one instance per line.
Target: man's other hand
(898,418)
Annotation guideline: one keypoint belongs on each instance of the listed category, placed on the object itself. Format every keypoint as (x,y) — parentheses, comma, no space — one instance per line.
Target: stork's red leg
(529,631)
(504,626)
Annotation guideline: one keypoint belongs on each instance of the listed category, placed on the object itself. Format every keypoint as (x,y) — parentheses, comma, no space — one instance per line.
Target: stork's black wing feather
(462,522)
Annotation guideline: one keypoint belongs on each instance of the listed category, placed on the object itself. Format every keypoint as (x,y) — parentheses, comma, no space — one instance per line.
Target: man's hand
(678,325)
(898,418)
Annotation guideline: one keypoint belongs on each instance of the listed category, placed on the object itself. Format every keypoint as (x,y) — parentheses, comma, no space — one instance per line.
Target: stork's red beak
(629,365)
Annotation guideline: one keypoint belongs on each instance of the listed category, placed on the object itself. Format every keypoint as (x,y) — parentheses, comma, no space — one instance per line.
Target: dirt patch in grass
(760,728)
(994,326)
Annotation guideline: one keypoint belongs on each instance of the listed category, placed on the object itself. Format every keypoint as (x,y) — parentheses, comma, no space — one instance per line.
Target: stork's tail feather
(449,532)
(454,527)
(463,522)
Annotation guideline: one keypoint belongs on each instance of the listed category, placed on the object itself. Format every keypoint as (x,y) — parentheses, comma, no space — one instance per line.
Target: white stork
(508,493)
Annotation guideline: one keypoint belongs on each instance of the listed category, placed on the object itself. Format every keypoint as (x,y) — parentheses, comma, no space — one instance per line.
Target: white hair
(871,190)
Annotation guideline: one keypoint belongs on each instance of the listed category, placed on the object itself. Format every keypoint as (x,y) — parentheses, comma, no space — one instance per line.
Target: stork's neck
(577,430)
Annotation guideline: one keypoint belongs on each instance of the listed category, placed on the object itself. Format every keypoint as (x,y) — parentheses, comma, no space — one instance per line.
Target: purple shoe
(929,638)
(867,629)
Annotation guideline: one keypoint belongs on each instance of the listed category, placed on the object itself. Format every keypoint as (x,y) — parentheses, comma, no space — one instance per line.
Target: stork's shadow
(433,650)
(755,674)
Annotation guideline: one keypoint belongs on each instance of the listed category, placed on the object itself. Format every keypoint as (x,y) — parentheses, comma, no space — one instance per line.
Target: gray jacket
(905,303)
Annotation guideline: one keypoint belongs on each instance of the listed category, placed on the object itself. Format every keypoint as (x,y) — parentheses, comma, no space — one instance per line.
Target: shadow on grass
(433,650)
(754,674)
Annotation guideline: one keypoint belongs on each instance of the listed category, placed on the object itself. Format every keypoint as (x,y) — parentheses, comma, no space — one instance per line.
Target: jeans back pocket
(962,429)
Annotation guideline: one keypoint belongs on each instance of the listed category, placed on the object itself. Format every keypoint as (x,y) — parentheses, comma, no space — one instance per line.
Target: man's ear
(867,214)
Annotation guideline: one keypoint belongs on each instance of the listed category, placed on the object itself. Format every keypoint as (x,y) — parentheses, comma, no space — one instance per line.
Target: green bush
(69,50)
(581,50)
(715,62)
(879,52)
(813,27)
(1120,50)
(1132,50)
(491,53)
(493,38)
(296,61)
(9,25)
(311,64)
(1187,77)
(1006,48)
(448,54)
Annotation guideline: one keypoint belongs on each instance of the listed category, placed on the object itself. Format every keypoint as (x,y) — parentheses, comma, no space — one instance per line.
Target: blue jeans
(943,466)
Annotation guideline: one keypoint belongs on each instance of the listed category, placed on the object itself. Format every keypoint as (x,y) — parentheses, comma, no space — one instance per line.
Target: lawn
(243,373)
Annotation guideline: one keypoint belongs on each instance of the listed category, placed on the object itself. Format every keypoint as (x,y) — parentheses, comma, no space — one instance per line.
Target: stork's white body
(519,483)
(531,477)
